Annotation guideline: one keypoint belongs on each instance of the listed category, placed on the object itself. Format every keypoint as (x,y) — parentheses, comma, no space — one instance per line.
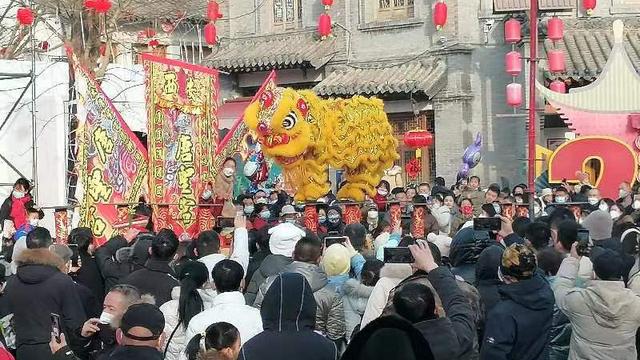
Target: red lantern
(102,49)
(25,16)
(324,25)
(102,6)
(514,94)
(327,2)
(213,11)
(513,63)
(440,15)
(44,45)
(90,4)
(589,6)
(416,139)
(555,29)
(556,61)
(211,34)
(512,31)
(153,43)
(558,86)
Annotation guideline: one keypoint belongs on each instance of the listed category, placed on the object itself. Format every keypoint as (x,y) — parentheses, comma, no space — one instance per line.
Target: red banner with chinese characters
(112,163)
(61,217)
(182,102)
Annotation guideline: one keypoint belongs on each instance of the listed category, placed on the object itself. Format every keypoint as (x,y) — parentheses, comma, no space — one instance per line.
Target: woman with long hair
(188,300)
(221,341)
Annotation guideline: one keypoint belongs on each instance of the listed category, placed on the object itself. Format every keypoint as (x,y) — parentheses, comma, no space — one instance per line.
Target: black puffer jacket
(288,316)
(37,290)
(157,279)
(271,265)
(114,270)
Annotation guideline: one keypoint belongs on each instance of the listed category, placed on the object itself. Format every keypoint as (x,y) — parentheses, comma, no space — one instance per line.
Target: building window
(395,9)
(625,6)
(287,14)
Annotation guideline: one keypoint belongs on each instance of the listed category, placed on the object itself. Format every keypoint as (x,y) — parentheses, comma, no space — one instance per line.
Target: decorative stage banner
(112,163)
(182,102)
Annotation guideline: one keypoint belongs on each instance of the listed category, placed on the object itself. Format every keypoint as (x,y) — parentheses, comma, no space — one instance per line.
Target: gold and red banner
(61,217)
(112,162)
(182,102)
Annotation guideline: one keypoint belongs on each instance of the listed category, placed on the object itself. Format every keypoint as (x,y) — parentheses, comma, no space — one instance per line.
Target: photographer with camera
(605,315)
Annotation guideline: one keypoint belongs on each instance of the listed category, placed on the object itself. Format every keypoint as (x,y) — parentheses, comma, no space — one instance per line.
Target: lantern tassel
(418,153)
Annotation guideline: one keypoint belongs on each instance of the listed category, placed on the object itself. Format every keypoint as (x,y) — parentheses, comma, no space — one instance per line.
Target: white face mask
(372,214)
(615,214)
(34,222)
(207,194)
(382,192)
(561,199)
(603,206)
(623,193)
(536,209)
(228,172)
(636,205)
(261,201)
(18,194)
(593,200)
(106,318)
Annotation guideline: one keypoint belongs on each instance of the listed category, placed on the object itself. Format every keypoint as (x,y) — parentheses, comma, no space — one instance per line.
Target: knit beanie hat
(607,264)
(336,260)
(518,261)
(599,224)
(284,238)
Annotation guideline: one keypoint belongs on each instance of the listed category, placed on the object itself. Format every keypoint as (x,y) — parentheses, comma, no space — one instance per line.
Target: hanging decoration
(99,6)
(513,63)
(556,61)
(440,14)
(514,94)
(555,29)
(418,139)
(589,6)
(25,16)
(44,46)
(558,86)
(470,158)
(512,31)
(153,43)
(324,21)
(414,168)
(210,31)
(102,49)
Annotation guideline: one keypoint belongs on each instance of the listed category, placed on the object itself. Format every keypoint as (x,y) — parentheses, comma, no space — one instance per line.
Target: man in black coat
(518,326)
(157,278)
(116,260)
(38,290)
(450,337)
(89,273)
(288,316)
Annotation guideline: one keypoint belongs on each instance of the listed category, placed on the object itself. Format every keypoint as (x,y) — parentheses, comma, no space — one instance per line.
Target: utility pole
(533,63)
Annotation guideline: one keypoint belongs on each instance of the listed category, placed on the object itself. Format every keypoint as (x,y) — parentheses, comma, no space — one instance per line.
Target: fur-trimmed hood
(37,265)
(396,271)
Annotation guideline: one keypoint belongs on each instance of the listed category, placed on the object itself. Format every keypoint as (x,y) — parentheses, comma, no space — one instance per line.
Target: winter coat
(354,301)
(157,279)
(113,271)
(330,313)
(451,337)
(604,317)
(477,200)
(65,353)
(89,276)
(386,338)
(560,336)
(135,352)
(272,265)
(37,290)
(228,307)
(390,276)
(288,314)
(518,326)
(465,250)
(240,252)
(5,209)
(177,343)
(254,263)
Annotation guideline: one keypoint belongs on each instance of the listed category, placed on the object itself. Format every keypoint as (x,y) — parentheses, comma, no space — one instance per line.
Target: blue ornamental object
(471,157)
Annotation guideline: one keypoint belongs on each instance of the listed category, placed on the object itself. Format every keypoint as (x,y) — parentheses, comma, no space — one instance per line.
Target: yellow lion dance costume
(306,134)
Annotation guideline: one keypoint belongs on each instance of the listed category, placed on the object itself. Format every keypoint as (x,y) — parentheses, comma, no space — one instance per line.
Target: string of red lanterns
(555,57)
(210,32)
(324,21)
(439,14)
(513,62)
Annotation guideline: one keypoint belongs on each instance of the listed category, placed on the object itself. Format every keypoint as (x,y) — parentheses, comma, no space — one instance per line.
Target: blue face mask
(322,219)
(334,219)
(265,214)
(248,210)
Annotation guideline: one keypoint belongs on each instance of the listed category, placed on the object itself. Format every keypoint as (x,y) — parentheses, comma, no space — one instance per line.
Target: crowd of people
(558,282)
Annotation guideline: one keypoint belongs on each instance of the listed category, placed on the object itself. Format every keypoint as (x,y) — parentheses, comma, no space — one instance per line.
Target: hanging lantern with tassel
(555,29)
(440,14)
(514,95)
(589,6)
(558,86)
(324,26)
(418,139)
(210,34)
(102,6)
(327,4)
(25,16)
(153,43)
(512,31)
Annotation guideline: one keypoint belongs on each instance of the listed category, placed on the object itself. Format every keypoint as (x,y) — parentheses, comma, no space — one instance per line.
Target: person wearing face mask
(15,206)
(33,219)
(322,219)
(593,198)
(442,213)
(461,216)
(382,193)
(289,215)
(561,196)
(222,191)
(334,219)
(625,195)
(370,218)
